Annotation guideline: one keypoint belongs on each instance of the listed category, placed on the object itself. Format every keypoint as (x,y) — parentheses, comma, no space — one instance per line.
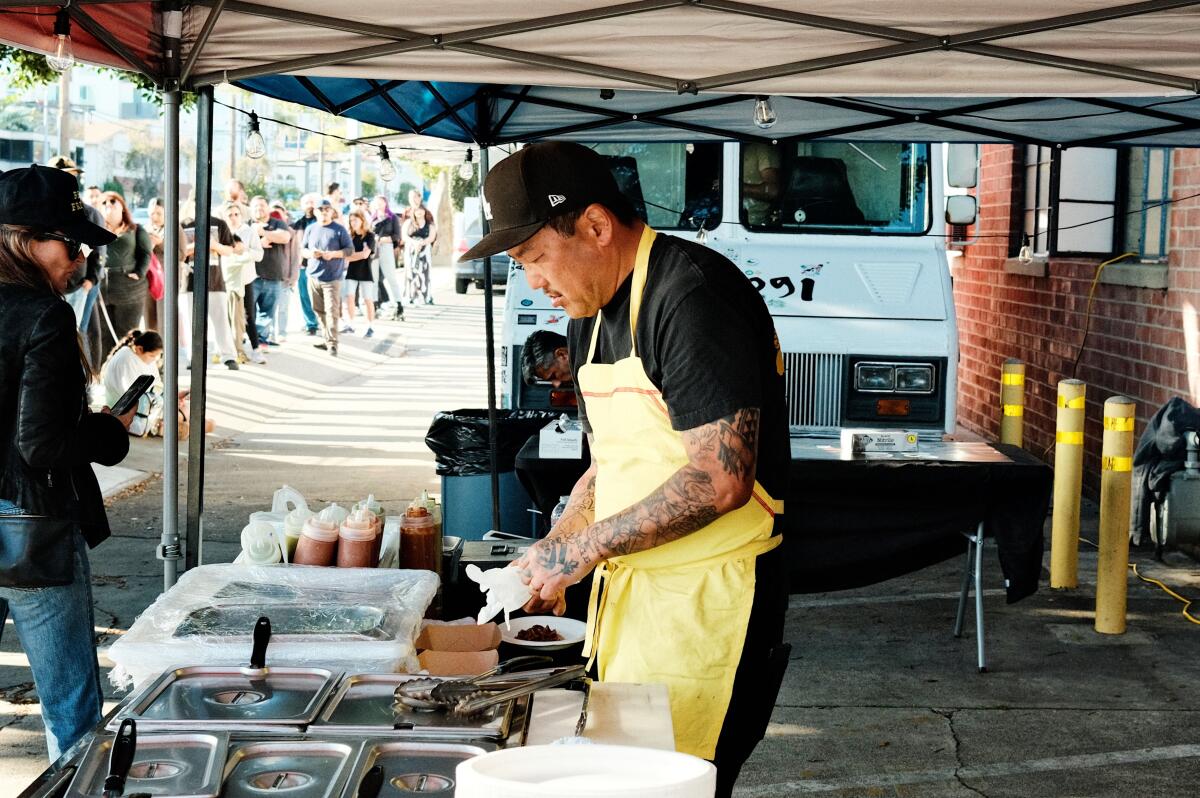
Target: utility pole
(321,155)
(233,135)
(64,114)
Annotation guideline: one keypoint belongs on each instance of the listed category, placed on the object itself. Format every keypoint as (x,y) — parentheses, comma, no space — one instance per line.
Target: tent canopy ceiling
(1087,73)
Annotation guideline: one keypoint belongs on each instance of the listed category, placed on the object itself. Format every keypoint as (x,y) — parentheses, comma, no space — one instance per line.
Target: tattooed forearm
(555,556)
(581,508)
(683,504)
(738,447)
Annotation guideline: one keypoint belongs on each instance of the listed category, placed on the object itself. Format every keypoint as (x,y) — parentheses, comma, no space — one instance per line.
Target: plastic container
(558,510)
(335,513)
(318,542)
(585,771)
(358,543)
(420,544)
(260,545)
(293,523)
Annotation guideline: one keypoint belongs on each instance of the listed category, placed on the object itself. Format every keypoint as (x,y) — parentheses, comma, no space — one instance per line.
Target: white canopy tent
(1084,72)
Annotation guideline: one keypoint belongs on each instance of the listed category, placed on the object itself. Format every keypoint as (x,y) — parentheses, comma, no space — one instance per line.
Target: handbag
(156,283)
(36,551)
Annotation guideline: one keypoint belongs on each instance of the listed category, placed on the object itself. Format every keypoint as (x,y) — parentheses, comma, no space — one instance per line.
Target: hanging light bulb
(689,148)
(387,171)
(764,114)
(63,57)
(466,169)
(1026,253)
(255,146)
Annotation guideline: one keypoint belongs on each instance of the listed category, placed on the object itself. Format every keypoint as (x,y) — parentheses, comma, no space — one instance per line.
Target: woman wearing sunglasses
(50,501)
(124,290)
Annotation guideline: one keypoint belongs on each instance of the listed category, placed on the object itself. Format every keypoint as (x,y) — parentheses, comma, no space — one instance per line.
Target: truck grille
(814,389)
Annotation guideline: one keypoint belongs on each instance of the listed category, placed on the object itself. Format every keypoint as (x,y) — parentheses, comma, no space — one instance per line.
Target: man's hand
(133,276)
(549,567)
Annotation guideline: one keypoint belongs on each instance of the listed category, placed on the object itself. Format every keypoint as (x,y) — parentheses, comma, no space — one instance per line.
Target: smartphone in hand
(130,398)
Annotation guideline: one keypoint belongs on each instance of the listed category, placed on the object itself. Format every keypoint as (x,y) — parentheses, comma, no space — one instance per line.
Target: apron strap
(641,263)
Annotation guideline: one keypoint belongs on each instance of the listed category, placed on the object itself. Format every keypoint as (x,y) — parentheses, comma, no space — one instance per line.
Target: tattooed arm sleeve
(718,478)
(581,507)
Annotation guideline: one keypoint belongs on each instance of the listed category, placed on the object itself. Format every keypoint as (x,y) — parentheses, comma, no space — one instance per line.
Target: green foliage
(460,188)
(369,185)
(254,173)
(401,197)
(28,70)
(146,159)
(17,115)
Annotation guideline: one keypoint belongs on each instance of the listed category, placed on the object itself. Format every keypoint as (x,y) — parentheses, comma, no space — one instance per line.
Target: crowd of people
(350,263)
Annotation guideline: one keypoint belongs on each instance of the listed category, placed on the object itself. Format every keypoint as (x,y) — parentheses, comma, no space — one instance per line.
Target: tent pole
(195,498)
(490,339)
(169,550)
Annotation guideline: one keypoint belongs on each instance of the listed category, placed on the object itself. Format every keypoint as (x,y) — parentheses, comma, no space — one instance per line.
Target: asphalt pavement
(880,699)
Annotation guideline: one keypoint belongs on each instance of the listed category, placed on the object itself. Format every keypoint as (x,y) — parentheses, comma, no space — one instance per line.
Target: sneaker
(333,351)
(231,364)
(270,343)
(259,358)
(320,346)
(368,333)
(347,330)
(311,331)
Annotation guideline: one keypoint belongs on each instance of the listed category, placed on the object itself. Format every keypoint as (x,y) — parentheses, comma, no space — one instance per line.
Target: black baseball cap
(48,199)
(539,182)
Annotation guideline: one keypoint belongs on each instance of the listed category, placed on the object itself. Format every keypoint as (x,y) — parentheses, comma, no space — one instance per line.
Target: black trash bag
(459,439)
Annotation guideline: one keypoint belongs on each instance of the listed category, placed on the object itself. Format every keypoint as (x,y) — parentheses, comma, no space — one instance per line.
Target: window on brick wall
(1146,220)
(1095,201)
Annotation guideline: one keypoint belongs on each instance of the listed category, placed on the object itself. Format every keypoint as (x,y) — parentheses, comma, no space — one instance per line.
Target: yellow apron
(677,613)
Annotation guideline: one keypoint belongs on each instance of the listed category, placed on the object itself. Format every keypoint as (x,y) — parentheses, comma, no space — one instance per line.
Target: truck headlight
(914,379)
(874,377)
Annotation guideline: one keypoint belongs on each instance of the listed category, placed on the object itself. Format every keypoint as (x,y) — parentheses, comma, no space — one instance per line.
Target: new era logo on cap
(556,200)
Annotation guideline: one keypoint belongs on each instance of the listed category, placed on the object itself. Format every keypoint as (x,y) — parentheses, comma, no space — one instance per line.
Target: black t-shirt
(273,265)
(361,269)
(706,341)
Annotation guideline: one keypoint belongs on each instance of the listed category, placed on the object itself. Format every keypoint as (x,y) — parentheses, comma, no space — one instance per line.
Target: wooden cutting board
(618,714)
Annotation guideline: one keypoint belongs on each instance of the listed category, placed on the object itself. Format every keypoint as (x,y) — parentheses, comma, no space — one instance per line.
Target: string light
(764,114)
(387,171)
(63,57)
(466,169)
(255,146)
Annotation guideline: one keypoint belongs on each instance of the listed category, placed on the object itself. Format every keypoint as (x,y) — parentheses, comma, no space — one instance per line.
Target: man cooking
(680,385)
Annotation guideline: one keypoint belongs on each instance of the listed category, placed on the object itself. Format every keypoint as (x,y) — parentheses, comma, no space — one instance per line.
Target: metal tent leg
(973,573)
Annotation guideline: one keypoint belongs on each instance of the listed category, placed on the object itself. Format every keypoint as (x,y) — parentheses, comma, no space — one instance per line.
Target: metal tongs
(496,686)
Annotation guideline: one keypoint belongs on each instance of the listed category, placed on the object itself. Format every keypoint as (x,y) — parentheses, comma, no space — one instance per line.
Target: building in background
(1140,334)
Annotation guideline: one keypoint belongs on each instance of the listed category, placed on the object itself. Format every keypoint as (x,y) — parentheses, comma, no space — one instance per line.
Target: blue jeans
(56,626)
(267,294)
(88,306)
(310,317)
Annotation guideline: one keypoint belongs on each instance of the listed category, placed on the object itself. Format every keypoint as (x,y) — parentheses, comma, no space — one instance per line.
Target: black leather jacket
(48,437)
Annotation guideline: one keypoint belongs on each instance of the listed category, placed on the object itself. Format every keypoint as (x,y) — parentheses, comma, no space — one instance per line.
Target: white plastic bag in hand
(504,591)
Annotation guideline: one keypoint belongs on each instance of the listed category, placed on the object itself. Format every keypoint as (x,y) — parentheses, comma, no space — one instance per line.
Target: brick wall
(1143,343)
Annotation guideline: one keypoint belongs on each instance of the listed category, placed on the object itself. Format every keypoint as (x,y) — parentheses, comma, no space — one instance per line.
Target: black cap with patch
(536,183)
(48,199)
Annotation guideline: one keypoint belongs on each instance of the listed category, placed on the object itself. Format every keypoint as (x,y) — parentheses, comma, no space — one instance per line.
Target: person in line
(361,204)
(222,244)
(333,193)
(84,285)
(326,246)
(308,216)
(123,292)
(419,232)
(235,192)
(240,272)
(360,282)
(291,272)
(545,358)
(157,230)
(679,379)
(387,241)
(269,284)
(92,195)
(51,439)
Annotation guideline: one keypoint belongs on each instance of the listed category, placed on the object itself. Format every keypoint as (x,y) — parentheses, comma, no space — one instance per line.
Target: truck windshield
(835,187)
(672,185)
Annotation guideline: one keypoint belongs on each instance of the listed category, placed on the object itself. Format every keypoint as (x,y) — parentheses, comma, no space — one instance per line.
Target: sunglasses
(73,247)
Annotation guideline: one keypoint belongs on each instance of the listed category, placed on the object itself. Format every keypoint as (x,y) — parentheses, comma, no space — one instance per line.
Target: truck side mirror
(961,209)
(962,165)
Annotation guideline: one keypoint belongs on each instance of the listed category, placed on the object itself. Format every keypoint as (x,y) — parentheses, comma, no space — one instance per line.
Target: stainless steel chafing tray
(407,766)
(179,765)
(365,705)
(233,698)
(295,768)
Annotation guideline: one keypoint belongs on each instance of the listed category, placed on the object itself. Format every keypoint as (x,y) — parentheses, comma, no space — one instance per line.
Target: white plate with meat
(546,632)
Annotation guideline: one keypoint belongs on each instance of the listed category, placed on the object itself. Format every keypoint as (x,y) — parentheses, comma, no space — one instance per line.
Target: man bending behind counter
(680,385)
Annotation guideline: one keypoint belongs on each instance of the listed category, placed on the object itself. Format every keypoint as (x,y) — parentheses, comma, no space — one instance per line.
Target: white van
(846,242)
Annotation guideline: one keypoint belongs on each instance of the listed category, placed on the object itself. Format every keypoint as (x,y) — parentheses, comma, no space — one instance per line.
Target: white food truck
(846,242)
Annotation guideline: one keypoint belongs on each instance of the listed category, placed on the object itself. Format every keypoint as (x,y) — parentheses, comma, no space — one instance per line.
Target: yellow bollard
(1116,483)
(1012,401)
(1068,481)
